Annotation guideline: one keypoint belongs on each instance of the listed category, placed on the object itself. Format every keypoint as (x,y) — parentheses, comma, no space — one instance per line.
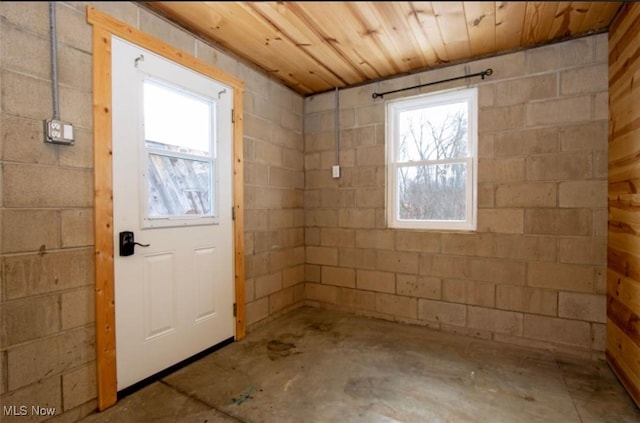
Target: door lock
(127,243)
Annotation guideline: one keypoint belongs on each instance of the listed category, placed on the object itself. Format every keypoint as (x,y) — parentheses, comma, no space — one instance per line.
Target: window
(180,155)
(432,161)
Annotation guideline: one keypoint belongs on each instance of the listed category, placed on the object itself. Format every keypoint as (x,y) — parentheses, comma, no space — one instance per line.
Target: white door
(172,189)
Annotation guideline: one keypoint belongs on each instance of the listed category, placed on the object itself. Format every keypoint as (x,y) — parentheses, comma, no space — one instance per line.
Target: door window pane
(178,186)
(176,120)
(180,151)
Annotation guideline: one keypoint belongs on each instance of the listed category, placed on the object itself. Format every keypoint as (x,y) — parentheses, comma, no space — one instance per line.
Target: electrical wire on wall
(467,72)
(335,170)
(54,60)
(56,131)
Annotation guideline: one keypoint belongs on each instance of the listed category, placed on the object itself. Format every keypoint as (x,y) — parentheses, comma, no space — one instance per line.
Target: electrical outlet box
(335,171)
(58,132)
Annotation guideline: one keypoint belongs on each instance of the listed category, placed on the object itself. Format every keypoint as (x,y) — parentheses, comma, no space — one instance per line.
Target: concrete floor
(323,366)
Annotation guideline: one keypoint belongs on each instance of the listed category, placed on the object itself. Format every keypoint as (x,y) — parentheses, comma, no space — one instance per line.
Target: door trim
(104,27)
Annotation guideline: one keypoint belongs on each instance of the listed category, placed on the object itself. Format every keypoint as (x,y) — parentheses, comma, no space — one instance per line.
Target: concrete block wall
(47,323)
(534,271)
(273,197)
(47,334)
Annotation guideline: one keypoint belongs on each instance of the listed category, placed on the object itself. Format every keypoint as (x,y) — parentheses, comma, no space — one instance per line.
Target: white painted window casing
(432,161)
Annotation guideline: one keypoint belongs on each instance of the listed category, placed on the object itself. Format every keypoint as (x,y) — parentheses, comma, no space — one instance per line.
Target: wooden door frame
(104,27)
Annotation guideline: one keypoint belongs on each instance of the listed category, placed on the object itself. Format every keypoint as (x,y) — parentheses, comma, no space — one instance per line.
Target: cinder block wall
(47,334)
(534,272)
(47,327)
(273,197)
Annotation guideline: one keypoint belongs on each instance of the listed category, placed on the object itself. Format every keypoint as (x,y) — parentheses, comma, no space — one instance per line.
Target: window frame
(393,109)
(178,220)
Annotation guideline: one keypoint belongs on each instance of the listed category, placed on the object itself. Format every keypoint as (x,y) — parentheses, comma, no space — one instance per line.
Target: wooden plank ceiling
(314,47)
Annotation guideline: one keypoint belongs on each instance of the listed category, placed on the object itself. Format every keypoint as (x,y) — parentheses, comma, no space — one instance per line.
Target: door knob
(127,243)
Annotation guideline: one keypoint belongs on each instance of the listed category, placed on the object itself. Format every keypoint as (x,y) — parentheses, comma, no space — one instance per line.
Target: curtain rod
(480,74)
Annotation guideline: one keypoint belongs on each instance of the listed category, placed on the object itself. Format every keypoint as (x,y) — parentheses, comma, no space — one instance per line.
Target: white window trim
(392,110)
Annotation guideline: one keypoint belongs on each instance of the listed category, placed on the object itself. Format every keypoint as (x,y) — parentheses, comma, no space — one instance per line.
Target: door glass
(178,186)
(176,120)
(180,153)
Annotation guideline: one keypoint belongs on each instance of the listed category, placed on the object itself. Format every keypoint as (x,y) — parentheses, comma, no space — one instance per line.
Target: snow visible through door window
(178,132)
